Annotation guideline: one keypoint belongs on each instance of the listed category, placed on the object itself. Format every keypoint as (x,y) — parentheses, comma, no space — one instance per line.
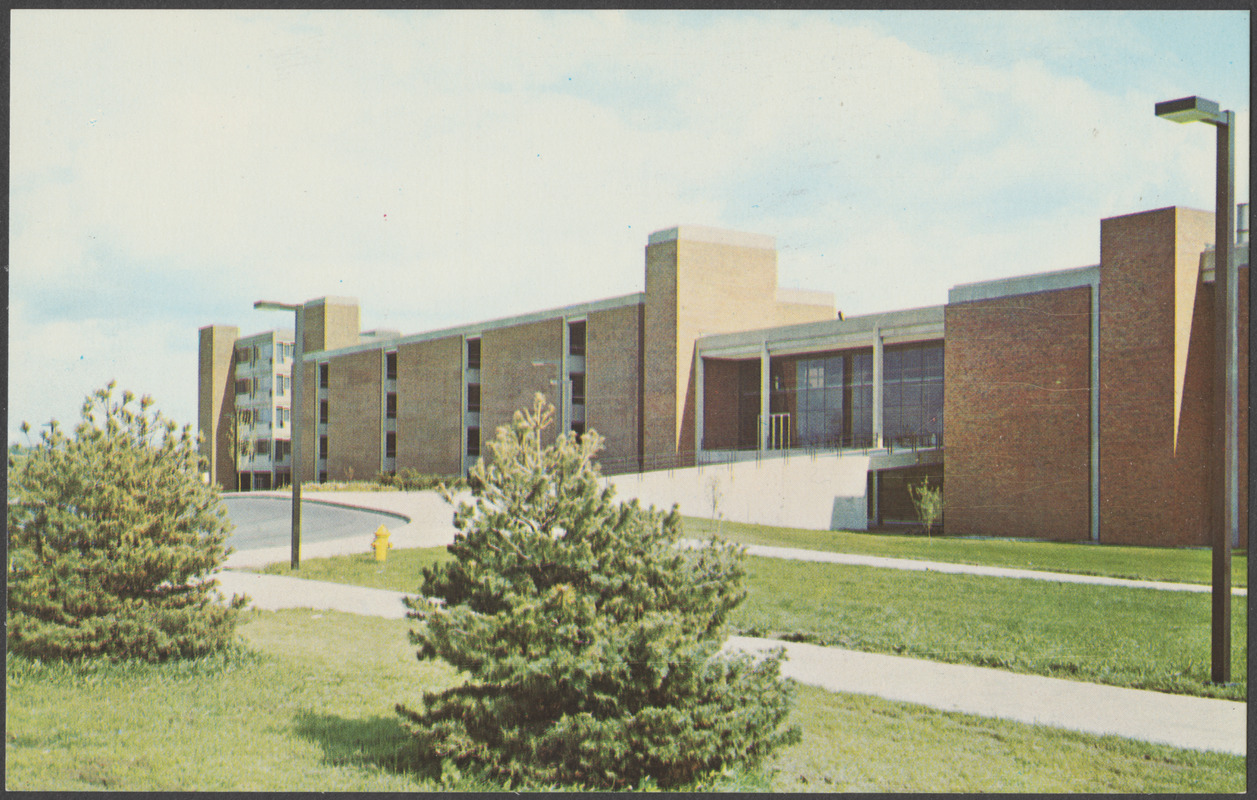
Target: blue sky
(168,168)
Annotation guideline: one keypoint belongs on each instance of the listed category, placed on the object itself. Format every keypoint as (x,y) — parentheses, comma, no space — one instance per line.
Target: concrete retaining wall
(824,492)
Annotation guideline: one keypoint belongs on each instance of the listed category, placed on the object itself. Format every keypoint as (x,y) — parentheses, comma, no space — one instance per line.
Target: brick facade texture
(1156,379)
(355,408)
(613,385)
(1017,372)
(308,418)
(429,406)
(508,379)
(720,404)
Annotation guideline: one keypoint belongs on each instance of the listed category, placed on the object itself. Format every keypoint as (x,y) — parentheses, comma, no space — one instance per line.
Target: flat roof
(471,329)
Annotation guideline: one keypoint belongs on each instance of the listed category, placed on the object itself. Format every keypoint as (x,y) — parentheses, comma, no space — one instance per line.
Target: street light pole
(1224,463)
(294,414)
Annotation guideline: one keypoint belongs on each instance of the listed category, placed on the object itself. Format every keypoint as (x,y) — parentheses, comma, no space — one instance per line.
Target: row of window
(280,386)
(252,354)
(262,447)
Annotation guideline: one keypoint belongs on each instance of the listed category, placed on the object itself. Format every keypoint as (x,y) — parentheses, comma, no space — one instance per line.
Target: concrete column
(765,393)
(877,386)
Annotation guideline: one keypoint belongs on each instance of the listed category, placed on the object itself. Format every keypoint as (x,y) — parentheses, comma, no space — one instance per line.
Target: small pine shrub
(590,639)
(111,536)
(928,501)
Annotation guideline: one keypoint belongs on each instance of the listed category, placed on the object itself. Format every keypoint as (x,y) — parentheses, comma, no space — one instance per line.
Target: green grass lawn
(308,706)
(1139,638)
(1114,561)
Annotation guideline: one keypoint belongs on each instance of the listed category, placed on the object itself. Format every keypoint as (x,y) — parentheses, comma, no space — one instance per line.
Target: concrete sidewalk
(1188,722)
(1196,723)
(916,565)
(430,523)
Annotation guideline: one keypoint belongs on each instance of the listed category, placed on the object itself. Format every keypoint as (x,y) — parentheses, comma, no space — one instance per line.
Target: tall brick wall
(508,380)
(1016,413)
(216,401)
(720,404)
(613,384)
(429,406)
(659,370)
(1156,359)
(355,411)
(307,417)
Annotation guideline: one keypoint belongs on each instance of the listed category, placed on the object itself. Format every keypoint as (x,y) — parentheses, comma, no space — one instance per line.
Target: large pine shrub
(112,535)
(589,638)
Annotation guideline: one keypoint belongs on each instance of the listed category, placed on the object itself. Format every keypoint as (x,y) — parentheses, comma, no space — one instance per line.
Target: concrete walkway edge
(1177,720)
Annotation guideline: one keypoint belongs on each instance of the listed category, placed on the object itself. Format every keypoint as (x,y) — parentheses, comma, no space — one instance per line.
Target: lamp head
(269,306)
(1191,109)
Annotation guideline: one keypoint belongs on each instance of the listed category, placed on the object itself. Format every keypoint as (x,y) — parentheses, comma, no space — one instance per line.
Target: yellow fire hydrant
(380,543)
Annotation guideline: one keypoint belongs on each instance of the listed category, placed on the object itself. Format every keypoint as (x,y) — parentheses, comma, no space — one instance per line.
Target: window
(578,388)
(828,397)
(473,354)
(282,382)
(264,447)
(244,355)
(323,411)
(283,449)
(246,416)
(282,417)
(323,376)
(390,445)
(473,442)
(913,402)
(244,386)
(390,366)
(576,338)
(473,397)
(578,428)
(390,406)
(323,447)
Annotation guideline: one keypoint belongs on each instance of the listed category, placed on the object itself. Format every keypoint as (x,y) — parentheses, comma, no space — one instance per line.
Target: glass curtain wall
(826,399)
(912,401)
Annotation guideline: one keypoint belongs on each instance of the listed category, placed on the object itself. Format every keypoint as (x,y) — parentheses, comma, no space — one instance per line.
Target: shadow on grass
(378,742)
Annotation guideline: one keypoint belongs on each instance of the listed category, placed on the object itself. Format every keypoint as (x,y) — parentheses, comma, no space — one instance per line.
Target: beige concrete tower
(216,401)
(330,323)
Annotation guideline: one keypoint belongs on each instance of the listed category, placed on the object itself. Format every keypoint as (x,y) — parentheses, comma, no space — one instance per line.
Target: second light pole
(294,415)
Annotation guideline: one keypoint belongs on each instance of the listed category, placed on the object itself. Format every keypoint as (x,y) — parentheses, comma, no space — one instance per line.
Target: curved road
(267,521)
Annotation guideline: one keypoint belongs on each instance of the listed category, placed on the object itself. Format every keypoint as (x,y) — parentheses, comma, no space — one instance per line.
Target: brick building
(1066,405)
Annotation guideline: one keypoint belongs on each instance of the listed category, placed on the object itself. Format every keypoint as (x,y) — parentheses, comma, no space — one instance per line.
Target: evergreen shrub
(590,640)
(112,534)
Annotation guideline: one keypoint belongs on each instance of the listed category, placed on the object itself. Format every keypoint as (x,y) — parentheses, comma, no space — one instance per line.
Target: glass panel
(892,366)
(911,364)
(834,370)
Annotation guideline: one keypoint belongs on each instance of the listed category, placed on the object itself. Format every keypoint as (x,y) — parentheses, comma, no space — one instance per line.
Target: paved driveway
(263,522)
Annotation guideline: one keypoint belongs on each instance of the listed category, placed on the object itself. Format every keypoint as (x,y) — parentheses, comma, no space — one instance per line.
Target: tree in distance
(589,638)
(112,535)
